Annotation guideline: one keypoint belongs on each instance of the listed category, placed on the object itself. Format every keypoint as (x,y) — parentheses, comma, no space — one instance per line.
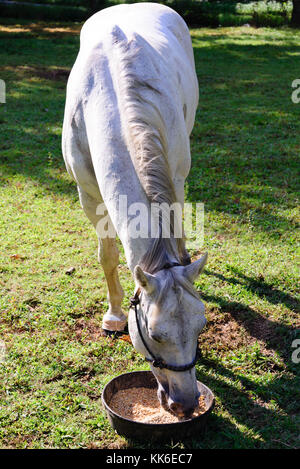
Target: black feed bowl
(152,431)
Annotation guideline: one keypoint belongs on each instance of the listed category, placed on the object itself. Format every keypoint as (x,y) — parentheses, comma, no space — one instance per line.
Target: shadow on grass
(233,154)
(31,121)
(218,433)
(260,287)
(251,423)
(244,146)
(252,416)
(275,335)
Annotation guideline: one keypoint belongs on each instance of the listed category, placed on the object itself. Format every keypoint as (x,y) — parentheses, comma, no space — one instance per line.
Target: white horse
(130,108)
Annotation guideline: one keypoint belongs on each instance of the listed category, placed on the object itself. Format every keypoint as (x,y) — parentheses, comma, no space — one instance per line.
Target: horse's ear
(144,280)
(192,271)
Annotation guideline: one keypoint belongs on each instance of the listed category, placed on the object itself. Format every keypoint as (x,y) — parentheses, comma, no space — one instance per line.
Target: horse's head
(170,316)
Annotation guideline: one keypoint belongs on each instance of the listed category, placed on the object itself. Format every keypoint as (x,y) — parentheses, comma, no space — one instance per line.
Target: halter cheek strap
(155,361)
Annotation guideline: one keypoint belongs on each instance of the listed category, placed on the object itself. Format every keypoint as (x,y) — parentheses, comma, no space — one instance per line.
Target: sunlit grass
(245,147)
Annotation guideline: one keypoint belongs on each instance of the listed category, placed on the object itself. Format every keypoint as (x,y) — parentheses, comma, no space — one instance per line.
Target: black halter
(158,362)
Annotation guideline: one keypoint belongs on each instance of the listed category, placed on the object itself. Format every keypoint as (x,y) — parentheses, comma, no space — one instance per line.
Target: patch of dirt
(223,333)
(49,73)
(270,333)
(19,441)
(119,444)
(88,330)
(261,328)
(88,376)
(41,28)
(94,445)
(54,74)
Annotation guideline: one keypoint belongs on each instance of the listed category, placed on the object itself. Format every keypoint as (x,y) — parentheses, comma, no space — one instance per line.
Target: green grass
(245,148)
(196,12)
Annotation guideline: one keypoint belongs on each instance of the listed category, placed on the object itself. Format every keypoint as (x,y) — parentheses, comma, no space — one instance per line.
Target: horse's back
(162,55)
(150,20)
(160,26)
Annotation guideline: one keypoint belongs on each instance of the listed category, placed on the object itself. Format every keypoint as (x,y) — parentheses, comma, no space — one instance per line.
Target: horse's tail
(145,135)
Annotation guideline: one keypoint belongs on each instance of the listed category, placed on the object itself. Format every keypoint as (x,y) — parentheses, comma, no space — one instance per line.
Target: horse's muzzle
(183,409)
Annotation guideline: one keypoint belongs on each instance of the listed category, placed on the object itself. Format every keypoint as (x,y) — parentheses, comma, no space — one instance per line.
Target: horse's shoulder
(120,22)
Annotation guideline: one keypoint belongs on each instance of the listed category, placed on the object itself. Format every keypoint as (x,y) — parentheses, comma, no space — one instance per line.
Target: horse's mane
(145,136)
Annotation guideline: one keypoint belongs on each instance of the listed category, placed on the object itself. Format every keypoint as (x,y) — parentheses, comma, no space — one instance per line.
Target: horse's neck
(126,202)
(121,191)
(131,219)
(113,166)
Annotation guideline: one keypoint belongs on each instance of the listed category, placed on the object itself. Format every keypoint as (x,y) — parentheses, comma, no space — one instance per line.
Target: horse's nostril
(177,408)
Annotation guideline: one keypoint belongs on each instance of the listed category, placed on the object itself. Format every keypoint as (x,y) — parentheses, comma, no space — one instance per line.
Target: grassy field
(245,148)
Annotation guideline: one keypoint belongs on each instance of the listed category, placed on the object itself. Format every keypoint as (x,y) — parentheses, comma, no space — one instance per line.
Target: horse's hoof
(115,334)
(113,323)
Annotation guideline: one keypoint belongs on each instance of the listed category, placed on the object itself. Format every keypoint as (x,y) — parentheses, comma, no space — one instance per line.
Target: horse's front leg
(113,319)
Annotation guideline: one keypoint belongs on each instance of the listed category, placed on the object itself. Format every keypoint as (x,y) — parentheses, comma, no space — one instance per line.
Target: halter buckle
(159,363)
(134,301)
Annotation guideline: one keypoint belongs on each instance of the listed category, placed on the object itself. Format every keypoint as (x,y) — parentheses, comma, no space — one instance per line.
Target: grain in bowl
(142,405)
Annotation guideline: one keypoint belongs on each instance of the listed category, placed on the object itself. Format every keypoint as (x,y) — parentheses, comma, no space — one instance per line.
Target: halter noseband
(158,362)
